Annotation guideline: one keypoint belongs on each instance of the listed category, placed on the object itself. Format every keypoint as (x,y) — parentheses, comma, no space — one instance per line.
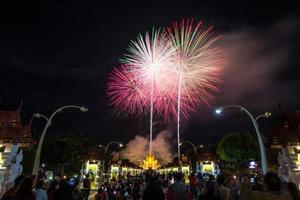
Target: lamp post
(105,150)
(39,148)
(264,163)
(194,147)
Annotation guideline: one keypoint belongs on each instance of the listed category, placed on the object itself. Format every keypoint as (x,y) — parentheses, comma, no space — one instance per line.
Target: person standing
(52,188)
(272,189)
(193,186)
(40,191)
(153,190)
(24,190)
(223,192)
(63,192)
(178,190)
(86,187)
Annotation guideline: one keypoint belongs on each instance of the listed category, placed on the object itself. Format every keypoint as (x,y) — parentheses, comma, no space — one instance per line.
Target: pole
(105,150)
(195,150)
(264,163)
(37,159)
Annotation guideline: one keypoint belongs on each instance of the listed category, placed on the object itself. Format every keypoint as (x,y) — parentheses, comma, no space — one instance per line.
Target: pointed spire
(30,122)
(20,105)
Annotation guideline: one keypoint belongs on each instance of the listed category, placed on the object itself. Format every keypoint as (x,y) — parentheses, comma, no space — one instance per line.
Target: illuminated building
(150,163)
(286,134)
(92,167)
(207,161)
(12,131)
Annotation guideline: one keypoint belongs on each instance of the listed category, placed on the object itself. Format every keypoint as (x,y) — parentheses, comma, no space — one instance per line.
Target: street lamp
(266,115)
(105,150)
(194,147)
(189,142)
(264,163)
(39,148)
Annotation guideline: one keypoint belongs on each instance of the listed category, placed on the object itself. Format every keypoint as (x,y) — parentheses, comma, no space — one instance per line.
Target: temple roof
(7,117)
(288,131)
(284,136)
(293,119)
(12,129)
(94,154)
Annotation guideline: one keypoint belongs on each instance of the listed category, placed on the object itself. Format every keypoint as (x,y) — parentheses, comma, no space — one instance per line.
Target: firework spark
(169,72)
(126,92)
(148,58)
(197,64)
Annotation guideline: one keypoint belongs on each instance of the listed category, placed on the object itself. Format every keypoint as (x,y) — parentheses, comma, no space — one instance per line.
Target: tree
(235,148)
(65,154)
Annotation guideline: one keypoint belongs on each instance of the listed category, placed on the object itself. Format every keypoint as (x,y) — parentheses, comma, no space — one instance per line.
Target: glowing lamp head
(120,145)
(84,109)
(37,115)
(219,110)
(268,114)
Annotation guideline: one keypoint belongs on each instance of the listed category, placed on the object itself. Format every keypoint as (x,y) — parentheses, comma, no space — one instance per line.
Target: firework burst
(126,91)
(197,63)
(168,71)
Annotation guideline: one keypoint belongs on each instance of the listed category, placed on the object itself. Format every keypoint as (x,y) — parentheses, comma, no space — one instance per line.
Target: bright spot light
(37,115)
(121,145)
(84,109)
(218,111)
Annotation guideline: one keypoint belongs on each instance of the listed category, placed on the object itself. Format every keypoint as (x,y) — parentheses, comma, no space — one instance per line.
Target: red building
(12,130)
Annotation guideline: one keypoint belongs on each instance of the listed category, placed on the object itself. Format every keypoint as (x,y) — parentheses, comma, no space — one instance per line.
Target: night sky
(56,54)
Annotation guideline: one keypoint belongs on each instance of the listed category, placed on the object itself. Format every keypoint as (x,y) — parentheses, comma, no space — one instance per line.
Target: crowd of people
(28,188)
(153,186)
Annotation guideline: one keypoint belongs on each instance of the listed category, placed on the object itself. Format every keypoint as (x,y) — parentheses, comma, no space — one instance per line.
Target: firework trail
(169,72)
(148,58)
(197,64)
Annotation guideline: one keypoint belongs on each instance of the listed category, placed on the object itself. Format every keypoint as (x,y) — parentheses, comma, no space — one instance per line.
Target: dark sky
(54,54)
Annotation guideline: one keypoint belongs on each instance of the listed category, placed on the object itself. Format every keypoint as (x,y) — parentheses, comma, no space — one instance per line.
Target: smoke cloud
(137,149)
(257,59)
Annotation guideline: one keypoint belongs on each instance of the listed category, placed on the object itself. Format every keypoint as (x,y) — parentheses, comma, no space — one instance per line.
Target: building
(12,130)
(207,161)
(286,131)
(92,167)
(285,138)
